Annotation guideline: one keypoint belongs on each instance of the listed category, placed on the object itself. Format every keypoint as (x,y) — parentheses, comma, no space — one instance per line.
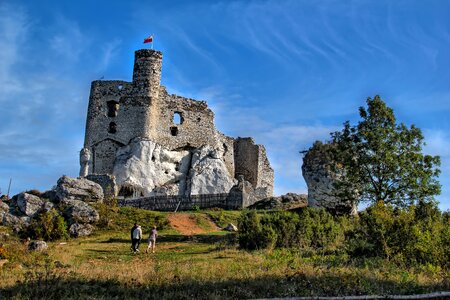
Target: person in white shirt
(137,236)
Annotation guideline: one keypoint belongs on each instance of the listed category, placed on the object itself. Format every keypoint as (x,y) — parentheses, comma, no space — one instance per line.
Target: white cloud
(14,26)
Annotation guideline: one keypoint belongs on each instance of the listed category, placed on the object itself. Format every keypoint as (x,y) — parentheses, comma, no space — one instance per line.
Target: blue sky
(285,72)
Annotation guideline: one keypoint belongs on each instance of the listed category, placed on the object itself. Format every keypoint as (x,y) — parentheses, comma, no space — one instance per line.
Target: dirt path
(186,224)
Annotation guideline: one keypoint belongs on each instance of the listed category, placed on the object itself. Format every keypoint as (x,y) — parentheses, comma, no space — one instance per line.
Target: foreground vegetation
(210,264)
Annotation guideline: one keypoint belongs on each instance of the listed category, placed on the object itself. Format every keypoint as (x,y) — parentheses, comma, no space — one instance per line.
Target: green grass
(203,266)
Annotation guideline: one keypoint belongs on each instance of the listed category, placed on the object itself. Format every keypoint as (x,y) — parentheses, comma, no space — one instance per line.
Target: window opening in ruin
(198,119)
(126,191)
(120,87)
(112,127)
(113,108)
(153,158)
(177,118)
(174,131)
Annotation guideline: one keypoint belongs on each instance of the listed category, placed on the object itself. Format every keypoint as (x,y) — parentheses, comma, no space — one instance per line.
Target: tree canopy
(383,160)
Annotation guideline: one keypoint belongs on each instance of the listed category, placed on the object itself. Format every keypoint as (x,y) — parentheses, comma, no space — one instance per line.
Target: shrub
(417,234)
(48,226)
(252,234)
(318,229)
(107,212)
(311,229)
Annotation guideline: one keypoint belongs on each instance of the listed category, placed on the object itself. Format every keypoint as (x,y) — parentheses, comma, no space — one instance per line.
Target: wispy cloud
(69,42)
(13,29)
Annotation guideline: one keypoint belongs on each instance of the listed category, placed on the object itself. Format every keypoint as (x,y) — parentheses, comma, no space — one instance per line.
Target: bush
(310,229)
(107,212)
(318,229)
(48,226)
(414,235)
(253,234)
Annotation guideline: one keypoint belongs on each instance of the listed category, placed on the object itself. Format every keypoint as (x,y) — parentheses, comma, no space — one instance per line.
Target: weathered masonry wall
(184,122)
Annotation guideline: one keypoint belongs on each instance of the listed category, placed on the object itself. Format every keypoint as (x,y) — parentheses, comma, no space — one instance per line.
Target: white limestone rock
(77,211)
(147,166)
(29,204)
(208,173)
(78,189)
(319,172)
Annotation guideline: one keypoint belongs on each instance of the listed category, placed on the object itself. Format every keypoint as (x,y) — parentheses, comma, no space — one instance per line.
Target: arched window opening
(113,108)
(177,118)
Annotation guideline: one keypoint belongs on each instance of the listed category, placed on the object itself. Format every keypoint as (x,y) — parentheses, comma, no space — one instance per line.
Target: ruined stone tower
(159,143)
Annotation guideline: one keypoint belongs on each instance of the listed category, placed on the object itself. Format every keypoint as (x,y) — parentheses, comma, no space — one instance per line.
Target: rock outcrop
(12,221)
(319,171)
(208,173)
(150,169)
(29,204)
(80,216)
(77,211)
(78,189)
(289,201)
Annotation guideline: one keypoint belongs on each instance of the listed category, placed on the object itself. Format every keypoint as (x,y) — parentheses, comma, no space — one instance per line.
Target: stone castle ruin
(155,143)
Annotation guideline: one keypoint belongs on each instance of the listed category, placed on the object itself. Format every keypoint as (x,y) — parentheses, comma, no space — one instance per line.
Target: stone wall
(172,203)
(252,163)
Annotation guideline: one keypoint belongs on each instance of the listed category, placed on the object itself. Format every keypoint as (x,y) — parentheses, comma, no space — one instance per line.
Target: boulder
(208,173)
(29,204)
(77,230)
(37,246)
(77,211)
(285,202)
(231,227)
(78,189)
(4,207)
(12,221)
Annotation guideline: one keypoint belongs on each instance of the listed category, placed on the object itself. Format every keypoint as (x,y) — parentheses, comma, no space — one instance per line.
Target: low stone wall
(172,203)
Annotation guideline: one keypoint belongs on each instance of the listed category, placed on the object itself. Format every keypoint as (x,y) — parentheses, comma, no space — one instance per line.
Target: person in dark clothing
(131,236)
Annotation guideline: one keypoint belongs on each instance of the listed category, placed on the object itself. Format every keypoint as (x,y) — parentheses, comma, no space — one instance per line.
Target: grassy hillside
(206,264)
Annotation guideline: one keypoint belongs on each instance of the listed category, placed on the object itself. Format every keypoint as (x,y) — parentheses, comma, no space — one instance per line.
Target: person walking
(152,240)
(137,236)
(131,236)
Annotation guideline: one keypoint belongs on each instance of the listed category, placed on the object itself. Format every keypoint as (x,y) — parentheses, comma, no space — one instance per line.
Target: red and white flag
(148,39)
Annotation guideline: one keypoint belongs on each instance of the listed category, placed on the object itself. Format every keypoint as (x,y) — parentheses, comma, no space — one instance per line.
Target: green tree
(383,160)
